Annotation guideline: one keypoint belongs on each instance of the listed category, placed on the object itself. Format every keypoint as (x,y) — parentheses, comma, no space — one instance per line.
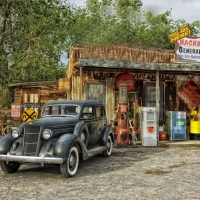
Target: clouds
(181,9)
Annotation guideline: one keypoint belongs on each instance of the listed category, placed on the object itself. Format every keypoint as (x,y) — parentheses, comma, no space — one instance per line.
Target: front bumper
(31,159)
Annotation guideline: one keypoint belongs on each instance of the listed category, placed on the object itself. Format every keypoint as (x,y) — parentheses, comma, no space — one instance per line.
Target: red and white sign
(190,94)
(188,50)
(15,111)
(127,79)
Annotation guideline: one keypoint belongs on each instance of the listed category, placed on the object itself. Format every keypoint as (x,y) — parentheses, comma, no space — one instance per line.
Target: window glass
(88,112)
(99,111)
(61,110)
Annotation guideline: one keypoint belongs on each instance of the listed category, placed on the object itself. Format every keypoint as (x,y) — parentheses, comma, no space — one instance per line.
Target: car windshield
(60,110)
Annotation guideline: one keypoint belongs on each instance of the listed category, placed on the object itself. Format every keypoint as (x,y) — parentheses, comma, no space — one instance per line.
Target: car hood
(52,121)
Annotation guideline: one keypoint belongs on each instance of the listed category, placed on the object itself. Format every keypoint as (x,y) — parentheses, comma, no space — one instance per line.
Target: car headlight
(15,133)
(47,134)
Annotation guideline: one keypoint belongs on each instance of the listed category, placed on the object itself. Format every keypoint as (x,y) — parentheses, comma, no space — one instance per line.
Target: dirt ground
(129,173)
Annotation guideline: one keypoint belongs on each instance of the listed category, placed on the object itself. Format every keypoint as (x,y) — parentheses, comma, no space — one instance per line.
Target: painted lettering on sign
(15,111)
(126,79)
(179,34)
(188,49)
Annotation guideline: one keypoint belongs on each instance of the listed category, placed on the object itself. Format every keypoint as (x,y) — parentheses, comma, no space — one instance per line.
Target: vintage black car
(65,131)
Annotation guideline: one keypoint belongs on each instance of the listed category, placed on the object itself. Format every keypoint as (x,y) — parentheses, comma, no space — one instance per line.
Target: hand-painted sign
(126,79)
(29,115)
(190,94)
(179,34)
(15,111)
(188,50)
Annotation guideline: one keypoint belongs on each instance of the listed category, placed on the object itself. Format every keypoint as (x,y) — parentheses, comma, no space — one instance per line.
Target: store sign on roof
(179,34)
(190,94)
(188,50)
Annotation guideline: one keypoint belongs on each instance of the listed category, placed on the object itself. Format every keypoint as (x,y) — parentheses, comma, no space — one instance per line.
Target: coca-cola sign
(126,79)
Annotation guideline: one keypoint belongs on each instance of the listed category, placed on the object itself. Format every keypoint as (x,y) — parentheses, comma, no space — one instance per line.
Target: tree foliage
(32,36)
(124,22)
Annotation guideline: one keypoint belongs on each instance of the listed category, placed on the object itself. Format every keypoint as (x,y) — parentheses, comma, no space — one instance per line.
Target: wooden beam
(121,64)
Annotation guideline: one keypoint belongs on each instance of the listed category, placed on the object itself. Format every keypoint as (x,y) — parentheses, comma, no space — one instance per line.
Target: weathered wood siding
(110,99)
(36,93)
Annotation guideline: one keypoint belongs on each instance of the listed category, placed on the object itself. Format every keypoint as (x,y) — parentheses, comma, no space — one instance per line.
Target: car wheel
(108,151)
(9,167)
(69,167)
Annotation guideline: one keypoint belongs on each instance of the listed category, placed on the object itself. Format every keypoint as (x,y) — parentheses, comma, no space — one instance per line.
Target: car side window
(99,111)
(88,112)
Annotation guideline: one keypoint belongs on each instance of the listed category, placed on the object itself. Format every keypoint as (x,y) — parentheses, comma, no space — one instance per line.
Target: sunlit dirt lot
(129,173)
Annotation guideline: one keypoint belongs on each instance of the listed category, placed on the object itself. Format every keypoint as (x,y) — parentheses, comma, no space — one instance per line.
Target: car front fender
(5,143)
(63,144)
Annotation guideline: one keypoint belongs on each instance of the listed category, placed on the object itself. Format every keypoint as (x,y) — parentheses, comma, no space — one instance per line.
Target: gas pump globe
(122,129)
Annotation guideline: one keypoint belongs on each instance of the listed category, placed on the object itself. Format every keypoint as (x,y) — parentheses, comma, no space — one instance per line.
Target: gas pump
(122,129)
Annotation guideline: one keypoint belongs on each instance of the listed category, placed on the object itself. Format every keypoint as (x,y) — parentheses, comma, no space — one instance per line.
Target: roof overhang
(131,65)
(34,84)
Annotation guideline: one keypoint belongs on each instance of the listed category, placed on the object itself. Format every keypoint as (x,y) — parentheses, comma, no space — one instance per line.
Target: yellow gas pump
(194,126)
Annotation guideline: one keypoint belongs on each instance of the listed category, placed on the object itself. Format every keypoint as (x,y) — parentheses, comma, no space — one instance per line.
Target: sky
(181,9)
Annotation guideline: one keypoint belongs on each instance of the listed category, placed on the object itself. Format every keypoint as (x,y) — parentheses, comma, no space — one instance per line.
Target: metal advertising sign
(125,79)
(15,111)
(26,105)
(190,94)
(29,115)
(188,50)
(179,34)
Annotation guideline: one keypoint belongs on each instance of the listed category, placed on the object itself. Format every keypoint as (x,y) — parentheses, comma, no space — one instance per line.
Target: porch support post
(81,82)
(157,102)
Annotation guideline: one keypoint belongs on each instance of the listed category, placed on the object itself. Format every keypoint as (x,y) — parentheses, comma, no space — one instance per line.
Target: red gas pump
(122,128)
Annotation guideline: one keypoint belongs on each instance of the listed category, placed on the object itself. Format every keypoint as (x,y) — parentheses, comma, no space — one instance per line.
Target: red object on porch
(162,135)
(190,94)
(125,79)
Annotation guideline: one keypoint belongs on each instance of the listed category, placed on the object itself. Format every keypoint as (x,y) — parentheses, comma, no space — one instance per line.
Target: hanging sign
(190,94)
(125,79)
(188,50)
(179,34)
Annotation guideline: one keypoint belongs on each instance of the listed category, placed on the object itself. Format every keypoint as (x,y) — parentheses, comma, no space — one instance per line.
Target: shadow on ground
(120,158)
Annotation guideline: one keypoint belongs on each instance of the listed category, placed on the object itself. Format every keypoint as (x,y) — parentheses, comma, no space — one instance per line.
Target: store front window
(96,91)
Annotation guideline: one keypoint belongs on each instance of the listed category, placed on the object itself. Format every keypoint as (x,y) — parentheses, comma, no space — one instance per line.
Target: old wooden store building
(154,78)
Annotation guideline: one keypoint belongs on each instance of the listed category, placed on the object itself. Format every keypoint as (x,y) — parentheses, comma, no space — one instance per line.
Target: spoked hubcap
(108,145)
(82,137)
(72,160)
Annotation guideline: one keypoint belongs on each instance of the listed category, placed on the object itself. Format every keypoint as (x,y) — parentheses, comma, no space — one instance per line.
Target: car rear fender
(5,143)
(104,135)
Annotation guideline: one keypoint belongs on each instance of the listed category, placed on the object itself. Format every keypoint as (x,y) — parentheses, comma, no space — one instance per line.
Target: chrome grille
(31,139)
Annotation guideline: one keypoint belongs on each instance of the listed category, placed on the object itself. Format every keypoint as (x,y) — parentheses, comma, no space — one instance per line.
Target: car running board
(95,151)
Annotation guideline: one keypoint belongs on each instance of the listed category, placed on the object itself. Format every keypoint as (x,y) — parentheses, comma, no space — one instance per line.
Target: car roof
(76,102)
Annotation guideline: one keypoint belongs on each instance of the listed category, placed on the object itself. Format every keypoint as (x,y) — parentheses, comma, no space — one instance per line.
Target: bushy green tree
(33,34)
(124,22)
